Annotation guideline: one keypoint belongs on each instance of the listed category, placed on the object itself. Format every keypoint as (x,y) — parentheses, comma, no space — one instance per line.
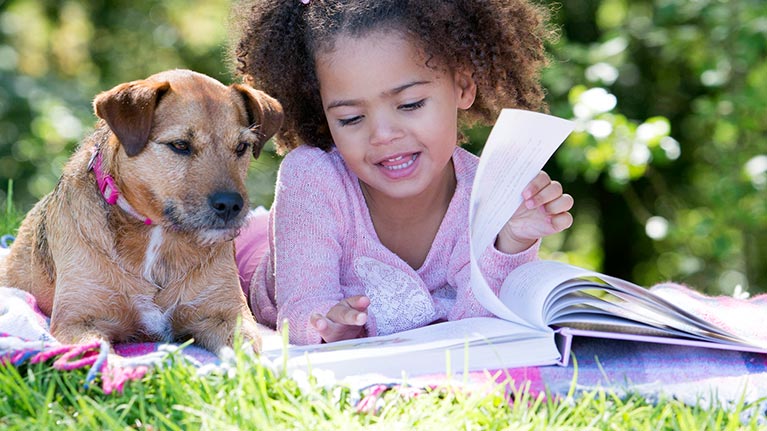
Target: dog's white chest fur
(153,319)
(152,253)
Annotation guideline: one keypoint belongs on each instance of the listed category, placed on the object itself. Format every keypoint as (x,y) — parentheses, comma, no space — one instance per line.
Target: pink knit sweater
(322,247)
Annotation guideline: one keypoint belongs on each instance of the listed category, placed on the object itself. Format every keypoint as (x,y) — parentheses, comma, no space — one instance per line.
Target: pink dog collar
(109,189)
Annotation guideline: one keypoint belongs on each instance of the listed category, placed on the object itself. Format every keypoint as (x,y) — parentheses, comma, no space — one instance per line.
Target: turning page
(518,147)
(547,293)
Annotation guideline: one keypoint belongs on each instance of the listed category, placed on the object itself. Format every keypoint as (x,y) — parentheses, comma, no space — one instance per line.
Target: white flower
(740,293)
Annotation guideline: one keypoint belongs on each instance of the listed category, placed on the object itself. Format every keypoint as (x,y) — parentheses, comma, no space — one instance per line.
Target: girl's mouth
(399,162)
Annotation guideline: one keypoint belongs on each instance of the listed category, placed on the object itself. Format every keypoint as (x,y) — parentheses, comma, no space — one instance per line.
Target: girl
(368,233)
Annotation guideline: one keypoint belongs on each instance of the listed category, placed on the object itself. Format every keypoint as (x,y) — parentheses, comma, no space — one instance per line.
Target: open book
(541,306)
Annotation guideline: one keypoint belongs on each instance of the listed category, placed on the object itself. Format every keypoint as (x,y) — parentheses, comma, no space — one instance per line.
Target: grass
(250,396)
(10,217)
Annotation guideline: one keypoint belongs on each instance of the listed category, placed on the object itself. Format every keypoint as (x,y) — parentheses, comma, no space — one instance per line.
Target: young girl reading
(368,232)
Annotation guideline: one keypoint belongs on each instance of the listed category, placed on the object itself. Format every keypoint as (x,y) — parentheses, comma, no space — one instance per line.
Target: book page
(431,337)
(634,299)
(527,290)
(476,343)
(518,147)
(629,302)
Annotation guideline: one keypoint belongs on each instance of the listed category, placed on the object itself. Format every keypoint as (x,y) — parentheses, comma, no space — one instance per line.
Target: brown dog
(158,265)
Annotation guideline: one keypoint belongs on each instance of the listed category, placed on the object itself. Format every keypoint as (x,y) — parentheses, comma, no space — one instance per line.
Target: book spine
(563,337)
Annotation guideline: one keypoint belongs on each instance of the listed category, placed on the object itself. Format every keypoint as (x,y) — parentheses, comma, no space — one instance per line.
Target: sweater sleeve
(308,225)
(495,266)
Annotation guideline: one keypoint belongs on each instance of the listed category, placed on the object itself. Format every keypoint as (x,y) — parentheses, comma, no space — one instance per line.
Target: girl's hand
(344,321)
(544,211)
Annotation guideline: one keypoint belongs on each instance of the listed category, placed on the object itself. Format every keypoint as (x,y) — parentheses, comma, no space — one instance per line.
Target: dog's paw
(251,340)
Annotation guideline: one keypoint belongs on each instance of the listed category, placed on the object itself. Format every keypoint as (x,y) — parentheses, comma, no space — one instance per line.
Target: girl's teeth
(403,165)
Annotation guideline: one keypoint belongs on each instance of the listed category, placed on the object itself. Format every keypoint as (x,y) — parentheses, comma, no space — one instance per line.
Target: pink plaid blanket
(25,337)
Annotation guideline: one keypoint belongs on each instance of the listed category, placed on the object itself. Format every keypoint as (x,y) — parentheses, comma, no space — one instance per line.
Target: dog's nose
(226,204)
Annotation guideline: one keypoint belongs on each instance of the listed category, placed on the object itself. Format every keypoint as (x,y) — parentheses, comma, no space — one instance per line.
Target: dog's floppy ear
(264,113)
(128,109)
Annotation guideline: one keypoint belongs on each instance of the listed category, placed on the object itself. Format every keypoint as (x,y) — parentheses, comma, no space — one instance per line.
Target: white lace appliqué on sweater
(397,301)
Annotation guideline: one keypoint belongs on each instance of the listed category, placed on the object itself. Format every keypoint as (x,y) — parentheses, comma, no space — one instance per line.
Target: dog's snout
(226,204)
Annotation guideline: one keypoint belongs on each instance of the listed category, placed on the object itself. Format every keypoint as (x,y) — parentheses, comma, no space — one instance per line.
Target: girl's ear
(466,87)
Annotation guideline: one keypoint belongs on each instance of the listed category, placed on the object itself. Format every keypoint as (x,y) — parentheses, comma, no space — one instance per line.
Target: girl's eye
(241,148)
(180,147)
(349,121)
(413,106)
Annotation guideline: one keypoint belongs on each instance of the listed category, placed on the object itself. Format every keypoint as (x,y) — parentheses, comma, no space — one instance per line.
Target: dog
(135,243)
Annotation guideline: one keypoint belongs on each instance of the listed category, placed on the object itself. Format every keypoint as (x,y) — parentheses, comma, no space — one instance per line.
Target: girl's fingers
(319,322)
(546,194)
(561,221)
(536,185)
(338,323)
(355,318)
(358,302)
(344,314)
(560,205)
(341,323)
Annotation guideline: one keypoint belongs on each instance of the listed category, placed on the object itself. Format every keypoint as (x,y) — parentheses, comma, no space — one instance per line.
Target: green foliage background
(668,165)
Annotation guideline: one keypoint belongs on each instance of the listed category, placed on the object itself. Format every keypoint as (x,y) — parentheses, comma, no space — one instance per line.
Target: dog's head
(182,145)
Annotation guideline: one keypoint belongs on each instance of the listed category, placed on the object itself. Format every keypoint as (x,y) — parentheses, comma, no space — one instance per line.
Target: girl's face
(392,118)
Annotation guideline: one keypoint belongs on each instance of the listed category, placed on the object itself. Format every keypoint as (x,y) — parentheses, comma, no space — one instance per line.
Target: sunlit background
(668,165)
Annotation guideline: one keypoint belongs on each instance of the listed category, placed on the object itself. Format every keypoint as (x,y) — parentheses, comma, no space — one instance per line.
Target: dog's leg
(212,319)
(29,265)
(86,310)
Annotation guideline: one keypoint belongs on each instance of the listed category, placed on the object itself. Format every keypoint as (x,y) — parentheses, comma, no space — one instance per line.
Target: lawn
(249,396)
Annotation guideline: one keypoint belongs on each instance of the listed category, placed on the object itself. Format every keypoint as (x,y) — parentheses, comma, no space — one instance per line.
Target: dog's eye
(241,148)
(180,147)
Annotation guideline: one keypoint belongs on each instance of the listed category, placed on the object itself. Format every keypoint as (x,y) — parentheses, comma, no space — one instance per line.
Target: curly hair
(501,42)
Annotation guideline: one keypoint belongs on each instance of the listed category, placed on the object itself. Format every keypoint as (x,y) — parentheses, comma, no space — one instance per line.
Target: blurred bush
(668,164)
(55,56)
(674,173)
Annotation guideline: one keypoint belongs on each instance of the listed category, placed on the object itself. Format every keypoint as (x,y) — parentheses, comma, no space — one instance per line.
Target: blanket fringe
(94,355)
(6,240)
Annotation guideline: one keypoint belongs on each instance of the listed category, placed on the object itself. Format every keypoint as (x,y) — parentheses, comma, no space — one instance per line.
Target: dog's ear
(128,109)
(264,113)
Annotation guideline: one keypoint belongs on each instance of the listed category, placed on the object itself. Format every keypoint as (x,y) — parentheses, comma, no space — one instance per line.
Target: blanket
(25,337)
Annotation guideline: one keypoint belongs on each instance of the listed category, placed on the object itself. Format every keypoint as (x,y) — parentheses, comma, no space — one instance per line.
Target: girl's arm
(308,227)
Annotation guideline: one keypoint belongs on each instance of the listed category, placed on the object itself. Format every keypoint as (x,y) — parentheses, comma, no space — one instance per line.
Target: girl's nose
(384,129)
